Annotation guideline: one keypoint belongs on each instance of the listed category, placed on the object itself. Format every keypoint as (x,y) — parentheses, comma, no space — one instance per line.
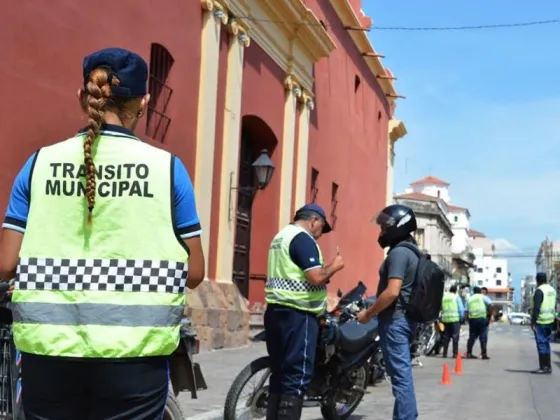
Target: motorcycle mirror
(339,293)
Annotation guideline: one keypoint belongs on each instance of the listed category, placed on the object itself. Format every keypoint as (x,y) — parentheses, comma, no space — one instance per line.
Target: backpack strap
(411,247)
(419,254)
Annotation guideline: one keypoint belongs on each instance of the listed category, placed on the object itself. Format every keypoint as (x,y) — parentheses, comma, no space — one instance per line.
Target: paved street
(502,388)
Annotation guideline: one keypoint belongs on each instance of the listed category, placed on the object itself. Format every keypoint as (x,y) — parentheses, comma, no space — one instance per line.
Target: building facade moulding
(303,95)
(236,27)
(350,19)
(217,8)
(397,130)
(294,48)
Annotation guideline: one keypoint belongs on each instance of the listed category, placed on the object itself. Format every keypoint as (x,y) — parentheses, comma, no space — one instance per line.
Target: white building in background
(459,217)
(548,261)
(434,231)
(491,272)
(528,287)
(483,269)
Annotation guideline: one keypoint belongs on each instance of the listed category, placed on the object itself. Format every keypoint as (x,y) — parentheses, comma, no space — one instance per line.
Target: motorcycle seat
(354,336)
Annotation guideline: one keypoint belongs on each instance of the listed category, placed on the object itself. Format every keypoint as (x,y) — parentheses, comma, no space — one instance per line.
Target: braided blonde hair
(96,101)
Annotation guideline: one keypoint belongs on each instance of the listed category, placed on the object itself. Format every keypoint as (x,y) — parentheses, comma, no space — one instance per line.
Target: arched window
(158,122)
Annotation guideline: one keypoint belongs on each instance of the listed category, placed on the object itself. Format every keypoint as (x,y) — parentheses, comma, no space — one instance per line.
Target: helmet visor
(384,220)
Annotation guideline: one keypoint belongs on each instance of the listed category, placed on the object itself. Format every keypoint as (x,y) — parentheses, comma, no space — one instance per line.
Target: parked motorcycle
(377,368)
(428,338)
(341,371)
(434,342)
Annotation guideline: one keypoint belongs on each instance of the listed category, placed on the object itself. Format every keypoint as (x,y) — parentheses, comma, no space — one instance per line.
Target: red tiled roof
(430,180)
(476,234)
(417,196)
(500,289)
(456,208)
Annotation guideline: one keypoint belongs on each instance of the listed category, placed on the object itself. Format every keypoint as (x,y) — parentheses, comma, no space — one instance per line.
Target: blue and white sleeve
(18,206)
(187,222)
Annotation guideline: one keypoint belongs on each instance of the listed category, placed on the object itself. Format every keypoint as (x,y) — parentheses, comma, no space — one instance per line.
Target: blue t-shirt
(304,252)
(186,216)
(461,308)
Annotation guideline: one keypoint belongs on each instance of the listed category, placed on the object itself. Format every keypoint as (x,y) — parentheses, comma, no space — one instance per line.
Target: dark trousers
(542,337)
(451,333)
(68,389)
(291,341)
(478,329)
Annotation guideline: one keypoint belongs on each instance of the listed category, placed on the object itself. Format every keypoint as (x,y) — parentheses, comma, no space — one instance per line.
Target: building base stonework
(219,314)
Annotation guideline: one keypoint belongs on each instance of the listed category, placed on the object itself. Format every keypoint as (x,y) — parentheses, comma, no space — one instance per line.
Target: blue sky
(482,112)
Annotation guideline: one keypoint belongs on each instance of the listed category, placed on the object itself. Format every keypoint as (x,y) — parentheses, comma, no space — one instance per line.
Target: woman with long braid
(103,237)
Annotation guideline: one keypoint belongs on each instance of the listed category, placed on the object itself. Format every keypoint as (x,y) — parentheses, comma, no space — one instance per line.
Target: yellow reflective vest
(115,289)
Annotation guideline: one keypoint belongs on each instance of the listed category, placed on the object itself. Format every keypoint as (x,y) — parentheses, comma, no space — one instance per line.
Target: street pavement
(501,388)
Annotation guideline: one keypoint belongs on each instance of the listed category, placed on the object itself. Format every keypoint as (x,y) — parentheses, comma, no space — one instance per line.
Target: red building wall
(348,146)
(264,97)
(43,45)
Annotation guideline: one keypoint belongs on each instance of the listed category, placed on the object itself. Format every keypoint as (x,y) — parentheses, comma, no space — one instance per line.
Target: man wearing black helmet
(396,278)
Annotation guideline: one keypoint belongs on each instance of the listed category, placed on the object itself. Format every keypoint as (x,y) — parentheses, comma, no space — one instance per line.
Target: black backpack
(424,304)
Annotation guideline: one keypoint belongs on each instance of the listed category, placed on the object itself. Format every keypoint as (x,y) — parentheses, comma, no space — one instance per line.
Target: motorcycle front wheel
(431,342)
(348,395)
(254,404)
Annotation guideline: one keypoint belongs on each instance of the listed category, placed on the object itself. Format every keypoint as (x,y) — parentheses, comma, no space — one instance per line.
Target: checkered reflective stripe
(101,275)
(293,285)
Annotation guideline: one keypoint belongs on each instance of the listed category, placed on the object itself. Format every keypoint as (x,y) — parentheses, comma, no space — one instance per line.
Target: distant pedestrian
(542,310)
(453,314)
(491,314)
(479,312)
(397,276)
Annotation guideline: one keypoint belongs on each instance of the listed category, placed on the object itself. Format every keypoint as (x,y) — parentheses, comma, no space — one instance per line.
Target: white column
(230,153)
(206,121)
(302,170)
(293,91)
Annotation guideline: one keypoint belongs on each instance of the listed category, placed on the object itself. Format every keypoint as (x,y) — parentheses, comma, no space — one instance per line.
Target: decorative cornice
(303,95)
(207,5)
(397,130)
(295,48)
(217,8)
(238,29)
(293,86)
(350,19)
(307,100)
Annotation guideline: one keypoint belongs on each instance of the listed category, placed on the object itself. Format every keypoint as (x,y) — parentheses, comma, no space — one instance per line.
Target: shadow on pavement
(352,417)
(520,370)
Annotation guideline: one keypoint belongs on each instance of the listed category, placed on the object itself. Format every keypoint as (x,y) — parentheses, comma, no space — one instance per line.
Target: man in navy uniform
(296,294)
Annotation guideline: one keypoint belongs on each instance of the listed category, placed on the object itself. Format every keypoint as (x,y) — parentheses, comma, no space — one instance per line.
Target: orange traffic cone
(445,378)
(458,365)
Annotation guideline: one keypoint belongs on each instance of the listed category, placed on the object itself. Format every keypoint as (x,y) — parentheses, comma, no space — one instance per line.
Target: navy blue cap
(128,67)
(541,277)
(319,210)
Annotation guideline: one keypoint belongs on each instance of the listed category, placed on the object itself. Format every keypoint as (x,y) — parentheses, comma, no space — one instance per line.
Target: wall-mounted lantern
(263,169)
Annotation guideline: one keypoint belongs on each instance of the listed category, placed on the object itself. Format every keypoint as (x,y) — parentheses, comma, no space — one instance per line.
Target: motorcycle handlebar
(4,287)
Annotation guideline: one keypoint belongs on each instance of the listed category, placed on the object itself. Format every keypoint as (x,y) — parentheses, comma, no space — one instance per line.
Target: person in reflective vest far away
(542,309)
(296,294)
(102,253)
(479,312)
(452,316)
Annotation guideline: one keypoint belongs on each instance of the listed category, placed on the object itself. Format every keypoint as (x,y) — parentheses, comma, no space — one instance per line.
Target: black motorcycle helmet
(397,222)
